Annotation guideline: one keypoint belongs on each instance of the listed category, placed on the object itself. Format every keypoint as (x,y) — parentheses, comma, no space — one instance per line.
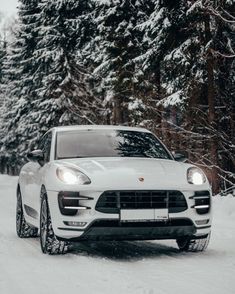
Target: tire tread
(193,245)
(53,245)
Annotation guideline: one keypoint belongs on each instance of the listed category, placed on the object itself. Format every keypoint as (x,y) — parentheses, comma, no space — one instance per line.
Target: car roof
(98,127)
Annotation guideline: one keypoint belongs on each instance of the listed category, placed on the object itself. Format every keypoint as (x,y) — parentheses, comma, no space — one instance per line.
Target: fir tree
(190,74)
(63,95)
(18,68)
(224,53)
(53,91)
(168,65)
(3,45)
(161,32)
(116,46)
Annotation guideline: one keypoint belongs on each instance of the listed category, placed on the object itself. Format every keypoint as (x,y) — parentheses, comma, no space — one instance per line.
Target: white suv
(110,183)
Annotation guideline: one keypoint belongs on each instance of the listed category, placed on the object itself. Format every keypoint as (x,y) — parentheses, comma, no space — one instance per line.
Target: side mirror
(36,156)
(179,157)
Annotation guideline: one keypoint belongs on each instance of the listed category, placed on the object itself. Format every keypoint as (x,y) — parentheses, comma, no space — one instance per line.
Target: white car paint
(119,173)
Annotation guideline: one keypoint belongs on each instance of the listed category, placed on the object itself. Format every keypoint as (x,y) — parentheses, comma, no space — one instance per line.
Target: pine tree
(3,45)
(116,47)
(167,65)
(161,34)
(53,90)
(18,68)
(63,93)
(2,98)
(190,74)
(224,53)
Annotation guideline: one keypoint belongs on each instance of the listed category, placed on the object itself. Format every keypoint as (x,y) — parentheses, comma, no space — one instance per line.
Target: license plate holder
(161,214)
(128,215)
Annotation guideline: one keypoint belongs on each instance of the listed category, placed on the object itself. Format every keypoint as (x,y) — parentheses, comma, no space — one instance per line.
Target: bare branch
(216,13)
(228,14)
(215,52)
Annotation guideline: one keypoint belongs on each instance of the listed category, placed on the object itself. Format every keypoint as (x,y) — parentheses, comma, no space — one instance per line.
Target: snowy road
(112,267)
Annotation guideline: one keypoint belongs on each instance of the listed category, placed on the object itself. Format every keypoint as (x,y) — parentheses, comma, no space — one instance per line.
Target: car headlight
(72,176)
(195,176)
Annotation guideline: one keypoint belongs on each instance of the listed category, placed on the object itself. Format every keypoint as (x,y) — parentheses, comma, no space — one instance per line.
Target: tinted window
(45,146)
(109,143)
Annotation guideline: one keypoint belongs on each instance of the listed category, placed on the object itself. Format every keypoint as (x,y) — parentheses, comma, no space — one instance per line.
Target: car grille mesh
(113,201)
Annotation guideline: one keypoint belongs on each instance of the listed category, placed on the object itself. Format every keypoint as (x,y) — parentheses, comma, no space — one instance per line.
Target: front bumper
(106,226)
(101,230)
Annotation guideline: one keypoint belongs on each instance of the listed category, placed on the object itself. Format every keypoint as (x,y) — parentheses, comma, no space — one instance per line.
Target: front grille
(113,201)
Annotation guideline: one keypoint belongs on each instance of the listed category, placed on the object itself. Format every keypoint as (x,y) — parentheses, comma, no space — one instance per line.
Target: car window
(45,145)
(109,143)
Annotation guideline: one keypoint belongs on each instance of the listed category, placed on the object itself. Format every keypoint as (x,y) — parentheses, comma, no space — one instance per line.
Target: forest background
(165,65)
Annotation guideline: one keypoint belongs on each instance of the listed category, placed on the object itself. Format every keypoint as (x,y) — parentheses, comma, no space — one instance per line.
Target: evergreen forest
(165,65)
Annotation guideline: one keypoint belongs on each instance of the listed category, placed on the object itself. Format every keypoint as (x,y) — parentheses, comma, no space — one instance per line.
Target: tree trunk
(118,115)
(211,93)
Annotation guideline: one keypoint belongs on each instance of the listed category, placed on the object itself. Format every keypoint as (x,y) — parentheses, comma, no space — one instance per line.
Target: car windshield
(108,143)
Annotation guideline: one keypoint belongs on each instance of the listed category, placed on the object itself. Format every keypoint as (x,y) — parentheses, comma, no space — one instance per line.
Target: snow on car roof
(98,127)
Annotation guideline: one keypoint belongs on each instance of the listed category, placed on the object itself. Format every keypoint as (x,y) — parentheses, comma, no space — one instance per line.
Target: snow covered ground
(116,267)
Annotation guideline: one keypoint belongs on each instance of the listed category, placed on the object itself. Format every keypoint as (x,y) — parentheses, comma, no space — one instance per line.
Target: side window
(45,146)
(42,142)
(48,147)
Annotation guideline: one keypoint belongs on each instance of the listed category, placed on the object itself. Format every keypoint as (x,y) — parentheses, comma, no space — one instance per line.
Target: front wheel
(193,245)
(23,229)
(49,243)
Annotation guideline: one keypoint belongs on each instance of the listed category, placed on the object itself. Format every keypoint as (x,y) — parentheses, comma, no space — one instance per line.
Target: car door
(35,172)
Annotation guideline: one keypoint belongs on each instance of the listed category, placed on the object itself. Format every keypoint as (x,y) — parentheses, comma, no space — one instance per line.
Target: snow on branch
(173,99)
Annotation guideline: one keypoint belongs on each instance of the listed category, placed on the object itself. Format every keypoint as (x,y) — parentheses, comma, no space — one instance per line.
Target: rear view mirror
(180,157)
(36,155)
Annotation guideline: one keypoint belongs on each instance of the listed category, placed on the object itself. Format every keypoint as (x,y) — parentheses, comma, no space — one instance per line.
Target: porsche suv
(110,183)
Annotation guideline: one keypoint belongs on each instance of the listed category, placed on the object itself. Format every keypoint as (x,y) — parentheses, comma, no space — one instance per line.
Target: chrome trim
(76,207)
(201,206)
(201,197)
(76,198)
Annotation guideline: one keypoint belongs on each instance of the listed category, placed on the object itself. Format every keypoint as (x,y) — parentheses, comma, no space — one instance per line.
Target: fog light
(75,224)
(202,222)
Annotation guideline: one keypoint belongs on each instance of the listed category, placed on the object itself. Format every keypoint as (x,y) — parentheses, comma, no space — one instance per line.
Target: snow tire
(49,243)
(23,229)
(193,245)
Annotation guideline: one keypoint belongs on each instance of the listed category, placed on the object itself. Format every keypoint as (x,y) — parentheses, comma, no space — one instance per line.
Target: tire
(193,245)
(23,229)
(49,243)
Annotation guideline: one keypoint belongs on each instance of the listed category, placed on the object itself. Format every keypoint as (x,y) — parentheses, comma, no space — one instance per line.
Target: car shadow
(123,250)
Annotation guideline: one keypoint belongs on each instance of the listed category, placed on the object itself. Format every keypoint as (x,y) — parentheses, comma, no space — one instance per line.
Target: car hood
(132,173)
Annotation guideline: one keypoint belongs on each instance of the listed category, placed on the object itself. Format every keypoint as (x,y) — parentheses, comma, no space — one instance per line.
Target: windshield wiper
(68,157)
(137,155)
